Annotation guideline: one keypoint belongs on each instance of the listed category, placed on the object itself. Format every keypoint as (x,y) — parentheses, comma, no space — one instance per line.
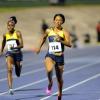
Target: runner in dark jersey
(14,42)
(57,38)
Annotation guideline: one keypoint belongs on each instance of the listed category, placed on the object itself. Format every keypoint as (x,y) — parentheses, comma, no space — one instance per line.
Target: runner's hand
(36,50)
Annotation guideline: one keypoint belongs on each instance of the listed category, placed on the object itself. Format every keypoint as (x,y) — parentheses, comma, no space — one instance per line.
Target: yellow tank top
(12,40)
(55,47)
(11,36)
(52,33)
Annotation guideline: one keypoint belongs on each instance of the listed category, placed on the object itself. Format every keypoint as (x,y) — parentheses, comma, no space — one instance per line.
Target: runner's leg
(59,73)
(49,63)
(18,63)
(18,67)
(9,60)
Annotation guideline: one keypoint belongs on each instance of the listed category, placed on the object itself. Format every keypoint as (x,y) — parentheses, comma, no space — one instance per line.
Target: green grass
(20,5)
(23,3)
(11,9)
(16,8)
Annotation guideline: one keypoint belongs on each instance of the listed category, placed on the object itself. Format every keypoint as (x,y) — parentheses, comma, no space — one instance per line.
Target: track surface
(81,77)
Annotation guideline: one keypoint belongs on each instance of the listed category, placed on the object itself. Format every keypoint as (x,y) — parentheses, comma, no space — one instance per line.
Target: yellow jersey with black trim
(12,40)
(55,47)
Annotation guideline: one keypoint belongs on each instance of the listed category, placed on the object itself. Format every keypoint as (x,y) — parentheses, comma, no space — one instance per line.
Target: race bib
(10,44)
(55,47)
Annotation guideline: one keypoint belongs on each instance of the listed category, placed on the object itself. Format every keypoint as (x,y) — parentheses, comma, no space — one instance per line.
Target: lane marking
(24,74)
(74,85)
(45,79)
(24,65)
(37,70)
(83,59)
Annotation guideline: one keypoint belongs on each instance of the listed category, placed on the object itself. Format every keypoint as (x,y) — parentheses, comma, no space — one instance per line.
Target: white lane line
(45,79)
(24,61)
(30,72)
(27,73)
(24,65)
(37,70)
(74,85)
(83,59)
(24,74)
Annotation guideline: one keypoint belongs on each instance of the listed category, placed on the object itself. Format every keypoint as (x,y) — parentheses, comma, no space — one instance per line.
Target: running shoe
(48,91)
(11,92)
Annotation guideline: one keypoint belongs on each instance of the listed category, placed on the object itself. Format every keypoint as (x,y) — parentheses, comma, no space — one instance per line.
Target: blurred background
(34,16)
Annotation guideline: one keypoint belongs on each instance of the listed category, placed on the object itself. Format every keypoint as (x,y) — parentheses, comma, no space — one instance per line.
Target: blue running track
(81,77)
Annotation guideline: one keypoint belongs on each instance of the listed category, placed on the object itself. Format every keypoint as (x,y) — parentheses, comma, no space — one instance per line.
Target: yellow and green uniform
(56,49)
(12,40)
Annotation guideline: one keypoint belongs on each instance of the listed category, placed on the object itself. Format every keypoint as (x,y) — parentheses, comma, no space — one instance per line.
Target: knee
(60,80)
(49,70)
(17,64)
(10,70)
(48,65)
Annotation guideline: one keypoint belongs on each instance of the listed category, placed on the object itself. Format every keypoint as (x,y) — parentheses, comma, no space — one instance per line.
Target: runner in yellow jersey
(14,42)
(57,38)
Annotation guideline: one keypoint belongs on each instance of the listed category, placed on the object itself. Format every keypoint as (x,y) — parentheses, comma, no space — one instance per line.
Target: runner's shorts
(59,60)
(16,56)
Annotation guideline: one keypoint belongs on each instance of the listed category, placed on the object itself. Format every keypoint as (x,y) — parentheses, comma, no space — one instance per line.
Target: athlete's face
(10,26)
(58,21)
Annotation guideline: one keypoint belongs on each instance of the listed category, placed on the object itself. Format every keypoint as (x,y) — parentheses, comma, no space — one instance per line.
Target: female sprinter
(58,38)
(14,42)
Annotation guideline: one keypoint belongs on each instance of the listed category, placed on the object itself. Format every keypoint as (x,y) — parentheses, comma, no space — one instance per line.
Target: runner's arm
(3,44)
(43,39)
(67,39)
